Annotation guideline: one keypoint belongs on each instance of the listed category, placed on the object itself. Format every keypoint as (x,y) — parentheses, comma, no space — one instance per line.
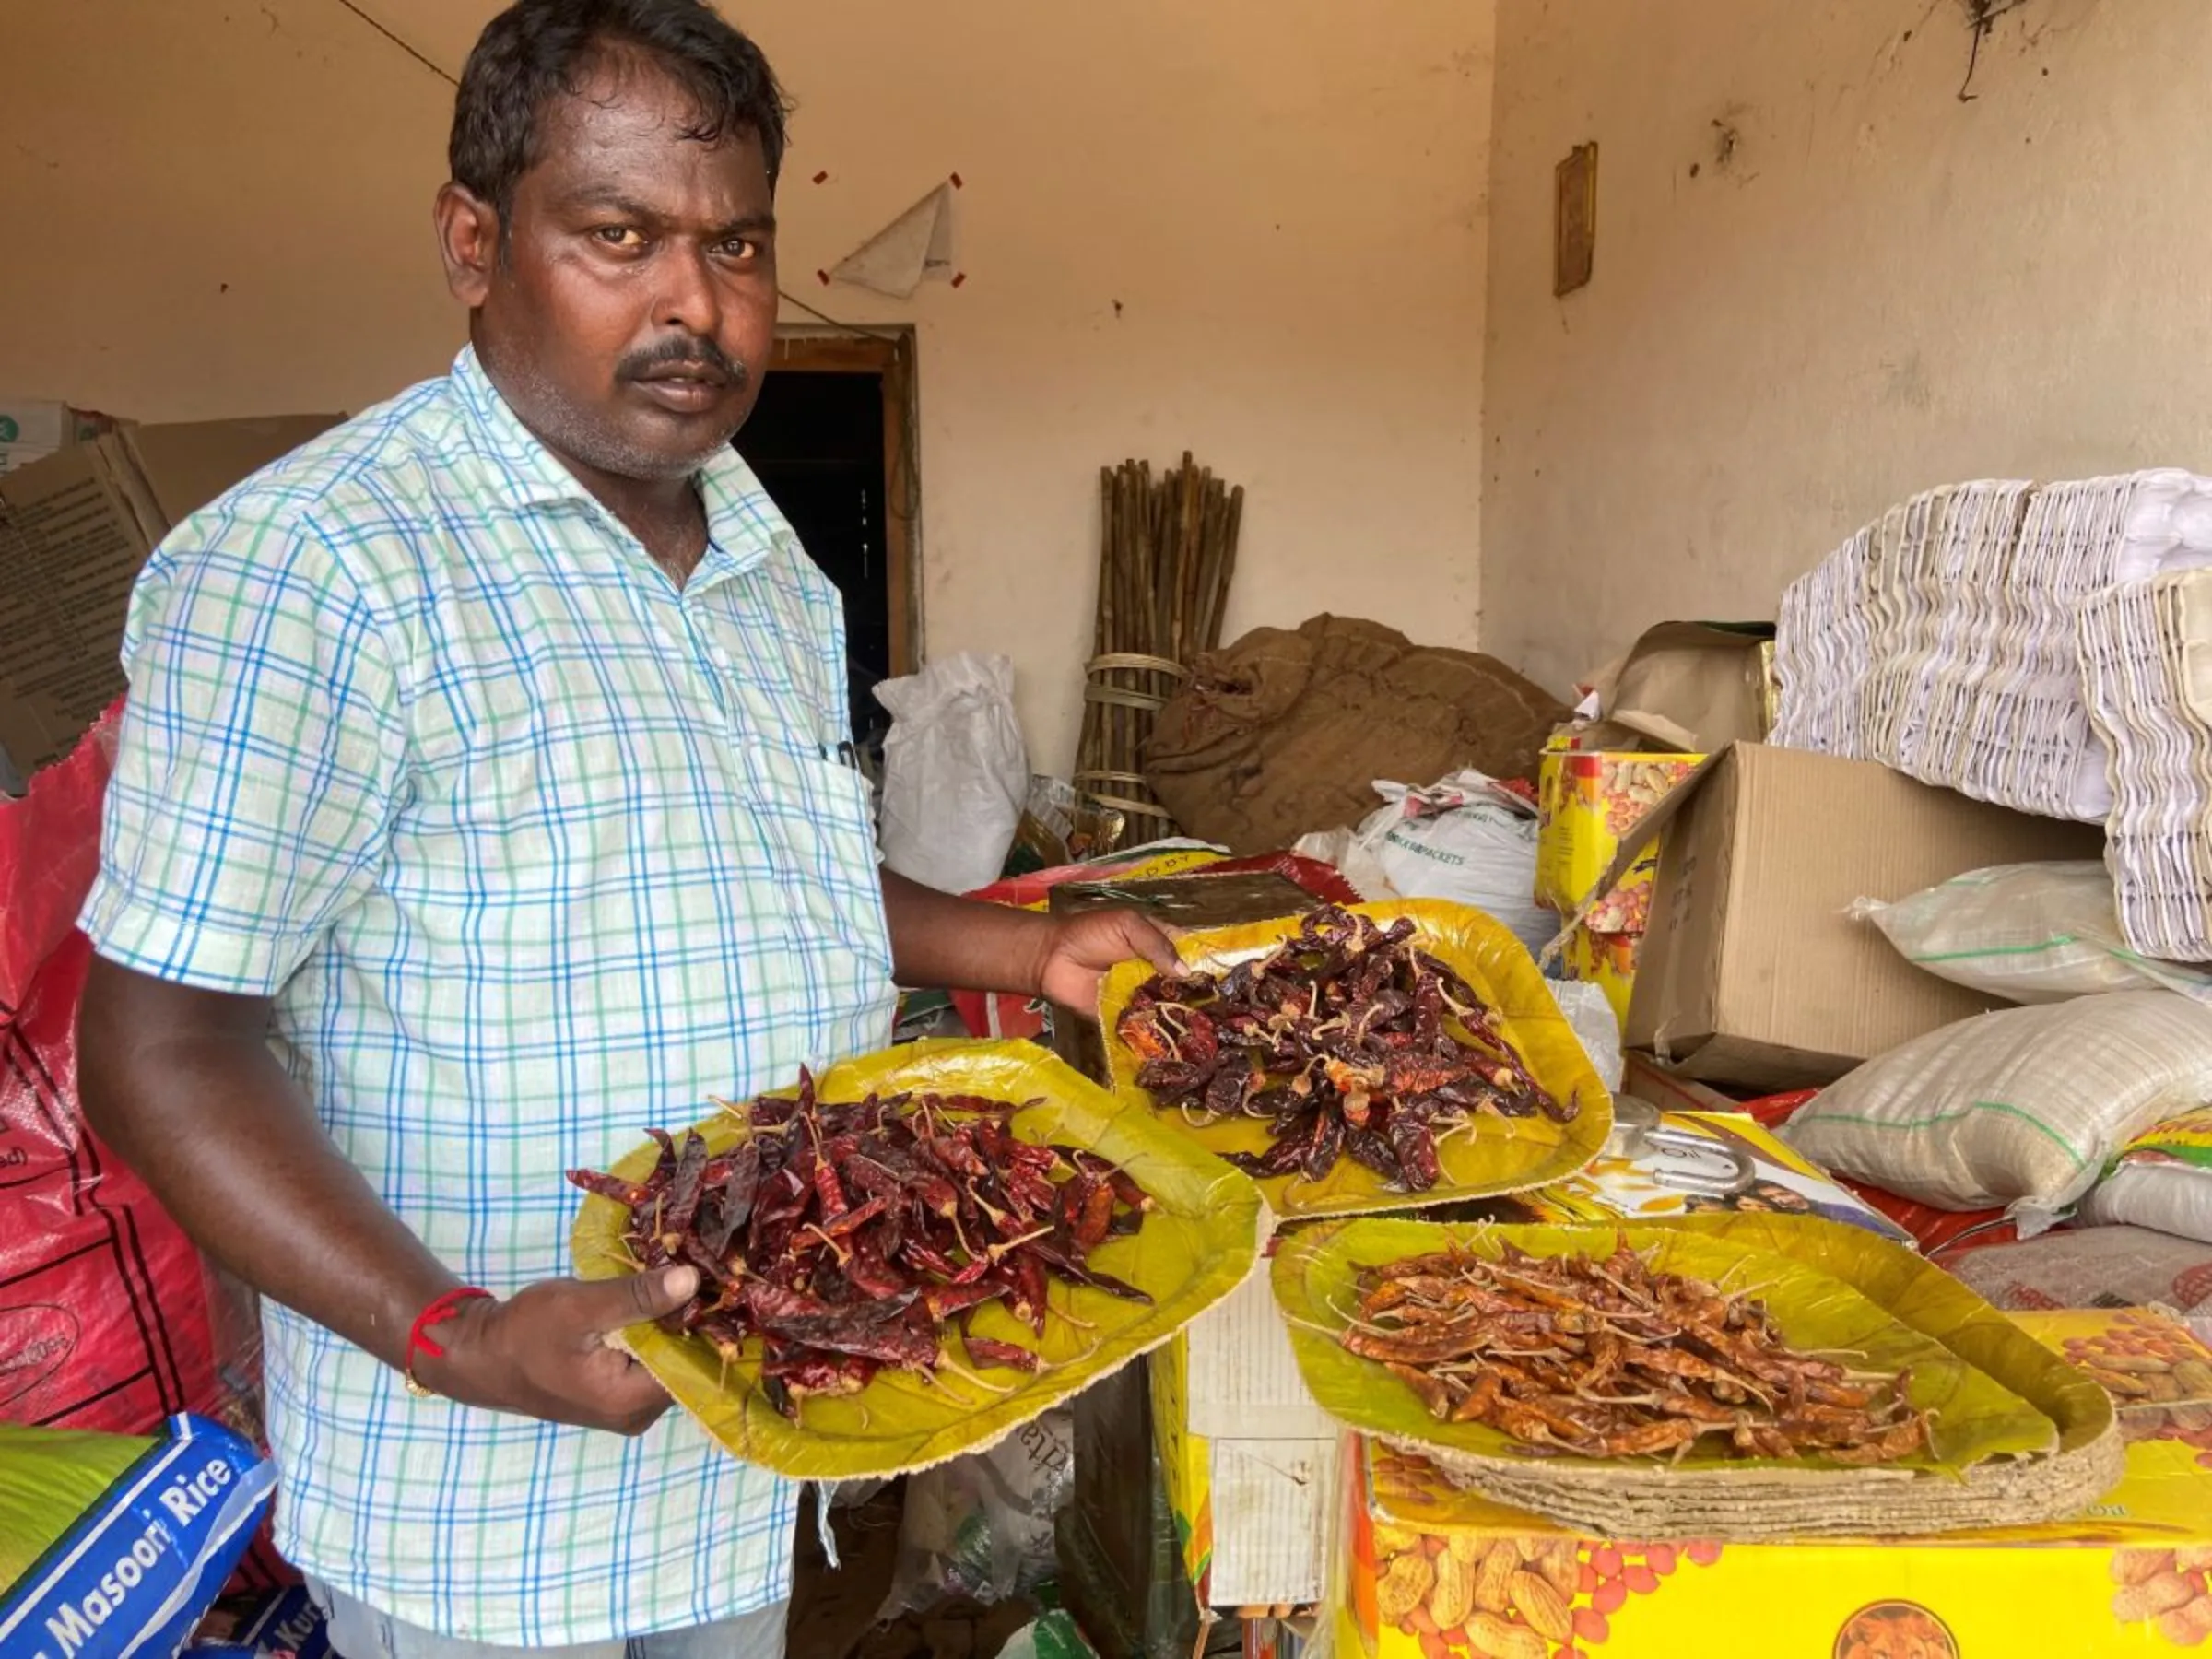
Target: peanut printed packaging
(1587,802)
(1424,1571)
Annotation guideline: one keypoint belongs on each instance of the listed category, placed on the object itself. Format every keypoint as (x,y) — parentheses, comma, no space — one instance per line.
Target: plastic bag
(955,773)
(288,1626)
(1589,1013)
(2092,1267)
(2034,933)
(2163,1180)
(1054,1636)
(1461,838)
(113,1545)
(982,1526)
(109,1319)
(105,1321)
(2022,1108)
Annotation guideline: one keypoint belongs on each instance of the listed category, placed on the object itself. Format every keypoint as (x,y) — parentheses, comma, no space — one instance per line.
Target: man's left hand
(1082,948)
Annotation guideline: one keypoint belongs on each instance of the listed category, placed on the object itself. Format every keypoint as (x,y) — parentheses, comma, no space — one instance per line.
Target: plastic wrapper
(2093,1267)
(105,1321)
(1054,1636)
(285,1626)
(1197,1245)
(2019,1436)
(982,1526)
(1462,838)
(116,1546)
(1502,1156)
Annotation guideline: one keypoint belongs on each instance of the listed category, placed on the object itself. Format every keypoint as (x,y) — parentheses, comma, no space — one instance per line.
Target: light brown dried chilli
(1610,1358)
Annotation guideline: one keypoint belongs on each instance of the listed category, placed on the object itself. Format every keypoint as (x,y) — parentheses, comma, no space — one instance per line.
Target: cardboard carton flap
(1697,686)
(1754,971)
(1633,841)
(187,466)
(76,529)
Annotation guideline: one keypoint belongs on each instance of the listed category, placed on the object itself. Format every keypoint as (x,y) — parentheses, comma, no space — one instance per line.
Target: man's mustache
(682,353)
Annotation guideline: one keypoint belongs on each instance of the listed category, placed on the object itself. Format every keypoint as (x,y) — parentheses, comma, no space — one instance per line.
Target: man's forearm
(182,1085)
(944,942)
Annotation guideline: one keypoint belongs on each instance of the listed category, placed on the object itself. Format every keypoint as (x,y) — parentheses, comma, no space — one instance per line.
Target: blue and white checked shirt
(532,849)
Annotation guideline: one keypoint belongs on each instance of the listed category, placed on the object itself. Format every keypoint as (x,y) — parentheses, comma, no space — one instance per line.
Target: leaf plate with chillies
(2014,1434)
(1196,1240)
(1513,1106)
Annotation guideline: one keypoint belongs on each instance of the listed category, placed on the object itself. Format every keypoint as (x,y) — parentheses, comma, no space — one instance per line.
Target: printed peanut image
(2165,1589)
(1895,1629)
(2157,1375)
(1516,1598)
(1638,786)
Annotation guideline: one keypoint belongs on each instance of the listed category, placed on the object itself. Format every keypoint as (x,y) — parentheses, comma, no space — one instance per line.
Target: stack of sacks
(2149,691)
(1942,639)
(2095,1099)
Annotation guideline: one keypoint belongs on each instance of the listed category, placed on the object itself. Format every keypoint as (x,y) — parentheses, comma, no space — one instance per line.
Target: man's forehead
(628,113)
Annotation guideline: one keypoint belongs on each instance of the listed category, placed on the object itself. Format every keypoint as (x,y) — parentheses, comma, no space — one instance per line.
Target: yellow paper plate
(1801,1267)
(1196,1246)
(1501,1156)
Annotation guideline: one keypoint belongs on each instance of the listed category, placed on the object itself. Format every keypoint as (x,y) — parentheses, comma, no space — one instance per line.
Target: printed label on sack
(145,1563)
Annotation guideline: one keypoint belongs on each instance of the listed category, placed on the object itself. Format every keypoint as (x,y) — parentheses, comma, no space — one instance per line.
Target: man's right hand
(543,1352)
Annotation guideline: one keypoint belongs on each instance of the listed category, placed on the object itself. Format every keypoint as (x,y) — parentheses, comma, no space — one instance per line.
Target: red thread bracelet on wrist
(441,1309)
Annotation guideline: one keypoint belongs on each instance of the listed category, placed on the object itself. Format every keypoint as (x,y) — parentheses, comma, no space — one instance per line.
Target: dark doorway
(827,441)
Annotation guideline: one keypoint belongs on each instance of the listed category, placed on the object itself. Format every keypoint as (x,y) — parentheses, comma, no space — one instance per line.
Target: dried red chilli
(847,1236)
(1345,1040)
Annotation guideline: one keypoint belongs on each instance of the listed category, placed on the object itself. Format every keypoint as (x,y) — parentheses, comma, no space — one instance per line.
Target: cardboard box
(33,428)
(75,529)
(1696,685)
(1250,1460)
(1752,973)
(2129,1577)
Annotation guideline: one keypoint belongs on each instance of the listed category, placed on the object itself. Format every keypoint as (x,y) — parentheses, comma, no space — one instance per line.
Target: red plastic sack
(108,1318)
(104,1317)
(999,1014)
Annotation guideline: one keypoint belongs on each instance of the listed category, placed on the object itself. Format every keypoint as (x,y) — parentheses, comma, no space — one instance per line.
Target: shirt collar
(742,523)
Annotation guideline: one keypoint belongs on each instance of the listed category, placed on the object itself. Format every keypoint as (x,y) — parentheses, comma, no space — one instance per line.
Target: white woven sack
(2170,1198)
(2021,1108)
(2032,933)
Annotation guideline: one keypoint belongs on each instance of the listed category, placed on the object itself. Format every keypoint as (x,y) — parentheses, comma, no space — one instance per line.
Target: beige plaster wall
(1253,228)
(1823,282)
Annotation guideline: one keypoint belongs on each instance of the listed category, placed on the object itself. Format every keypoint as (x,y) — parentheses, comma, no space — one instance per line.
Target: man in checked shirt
(478,802)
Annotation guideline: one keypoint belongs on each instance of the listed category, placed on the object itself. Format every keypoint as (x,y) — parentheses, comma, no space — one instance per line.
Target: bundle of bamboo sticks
(1167,550)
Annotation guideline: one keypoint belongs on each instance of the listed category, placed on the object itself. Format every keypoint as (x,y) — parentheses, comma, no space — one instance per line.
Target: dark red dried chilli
(1344,1040)
(846,1236)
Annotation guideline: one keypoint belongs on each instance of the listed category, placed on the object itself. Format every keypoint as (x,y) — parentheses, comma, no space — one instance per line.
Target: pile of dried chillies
(1344,1040)
(846,1236)
(1609,1357)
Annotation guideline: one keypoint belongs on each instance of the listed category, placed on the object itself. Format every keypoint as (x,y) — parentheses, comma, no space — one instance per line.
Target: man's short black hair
(538,50)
